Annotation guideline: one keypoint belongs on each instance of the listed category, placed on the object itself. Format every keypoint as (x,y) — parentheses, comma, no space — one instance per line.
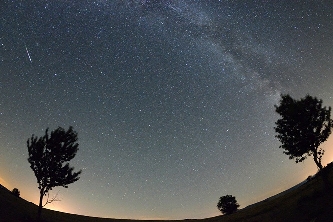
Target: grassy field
(311,201)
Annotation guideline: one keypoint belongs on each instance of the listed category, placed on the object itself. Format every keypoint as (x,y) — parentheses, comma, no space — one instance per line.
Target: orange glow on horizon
(56,207)
(328,147)
(4,183)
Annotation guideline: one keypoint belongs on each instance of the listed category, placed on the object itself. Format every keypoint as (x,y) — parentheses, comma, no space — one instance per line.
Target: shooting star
(26,49)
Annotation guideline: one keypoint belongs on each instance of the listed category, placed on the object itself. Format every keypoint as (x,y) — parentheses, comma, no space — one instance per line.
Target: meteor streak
(26,49)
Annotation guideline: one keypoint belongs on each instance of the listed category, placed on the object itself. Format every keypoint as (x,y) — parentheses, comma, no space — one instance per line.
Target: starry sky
(173,100)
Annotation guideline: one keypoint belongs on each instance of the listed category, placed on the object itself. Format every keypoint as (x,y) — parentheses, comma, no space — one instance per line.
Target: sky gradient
(173,100)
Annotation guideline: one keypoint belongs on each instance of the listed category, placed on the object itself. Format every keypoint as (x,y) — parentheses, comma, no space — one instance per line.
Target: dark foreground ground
(312,201)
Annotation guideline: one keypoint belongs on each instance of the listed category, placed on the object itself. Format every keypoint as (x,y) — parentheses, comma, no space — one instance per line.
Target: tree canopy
(49,158)
(227,204)
(304,125)
(16,192)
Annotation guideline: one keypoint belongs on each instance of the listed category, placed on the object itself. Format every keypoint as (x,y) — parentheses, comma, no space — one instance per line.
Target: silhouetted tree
(227,204)
(304,125)
(16,192)
(49,156)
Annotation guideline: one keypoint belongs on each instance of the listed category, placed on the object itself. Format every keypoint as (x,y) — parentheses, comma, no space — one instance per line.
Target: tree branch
(52,199)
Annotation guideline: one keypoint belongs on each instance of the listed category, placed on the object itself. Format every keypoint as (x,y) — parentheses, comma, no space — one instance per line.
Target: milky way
(173,100)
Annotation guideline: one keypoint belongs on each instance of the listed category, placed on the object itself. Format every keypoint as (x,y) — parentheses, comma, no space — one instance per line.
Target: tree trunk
(322,172)
(40,206)
(318,162)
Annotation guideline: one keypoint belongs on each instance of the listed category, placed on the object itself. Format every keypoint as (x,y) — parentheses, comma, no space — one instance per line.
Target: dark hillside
(311,201)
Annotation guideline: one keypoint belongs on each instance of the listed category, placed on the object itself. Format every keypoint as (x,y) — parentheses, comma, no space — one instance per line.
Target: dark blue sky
(173,100)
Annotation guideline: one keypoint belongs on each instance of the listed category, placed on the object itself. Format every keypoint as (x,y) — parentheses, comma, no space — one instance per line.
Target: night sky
(173,100)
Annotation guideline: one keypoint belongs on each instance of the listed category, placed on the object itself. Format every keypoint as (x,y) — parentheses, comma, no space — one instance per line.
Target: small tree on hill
(49,156)
(16,192)
(305,124)
(227,204)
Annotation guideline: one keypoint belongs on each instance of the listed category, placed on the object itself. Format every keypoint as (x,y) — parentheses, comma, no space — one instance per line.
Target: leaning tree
(49,158)
(304,125)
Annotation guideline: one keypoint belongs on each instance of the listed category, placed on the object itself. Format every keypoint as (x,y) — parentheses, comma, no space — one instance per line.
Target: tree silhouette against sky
(304,125)
(227,204)
(49,156)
